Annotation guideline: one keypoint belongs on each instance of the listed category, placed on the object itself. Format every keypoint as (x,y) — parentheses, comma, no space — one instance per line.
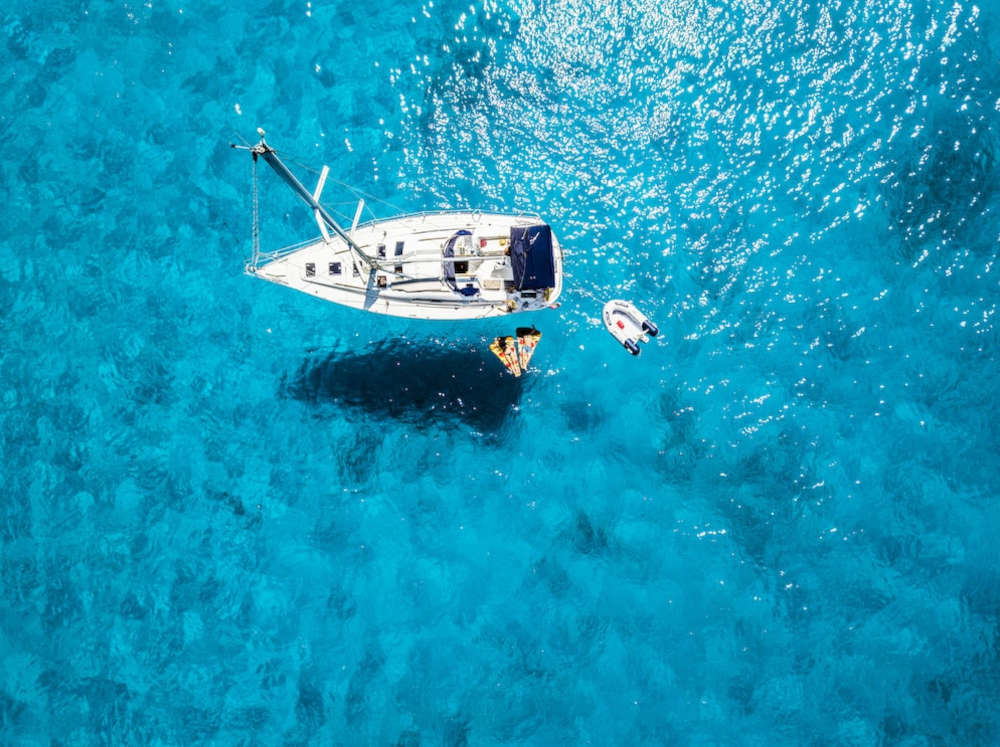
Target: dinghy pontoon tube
(628,325)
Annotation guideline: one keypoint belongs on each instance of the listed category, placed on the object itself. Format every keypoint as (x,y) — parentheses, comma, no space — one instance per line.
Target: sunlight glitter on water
(254,513)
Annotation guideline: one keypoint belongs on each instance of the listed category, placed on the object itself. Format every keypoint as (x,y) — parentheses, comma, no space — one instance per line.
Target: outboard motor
(632,347)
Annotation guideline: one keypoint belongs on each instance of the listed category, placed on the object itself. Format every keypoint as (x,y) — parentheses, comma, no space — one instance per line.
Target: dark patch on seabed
(941,187)
(461,76)
(421,384)
(946,174)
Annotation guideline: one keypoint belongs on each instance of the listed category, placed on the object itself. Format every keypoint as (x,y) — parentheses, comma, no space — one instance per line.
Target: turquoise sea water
(234,514)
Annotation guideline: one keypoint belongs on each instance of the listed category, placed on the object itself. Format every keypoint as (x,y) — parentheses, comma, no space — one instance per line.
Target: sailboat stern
(536,265)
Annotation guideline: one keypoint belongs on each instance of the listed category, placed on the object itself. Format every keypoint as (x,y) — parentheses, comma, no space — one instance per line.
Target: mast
(268,154)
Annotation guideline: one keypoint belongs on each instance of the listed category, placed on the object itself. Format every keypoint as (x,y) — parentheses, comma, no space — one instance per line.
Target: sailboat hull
(444,265)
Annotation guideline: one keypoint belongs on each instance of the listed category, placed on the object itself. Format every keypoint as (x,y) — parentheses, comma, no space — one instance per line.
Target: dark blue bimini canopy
(531,257)
(448,255)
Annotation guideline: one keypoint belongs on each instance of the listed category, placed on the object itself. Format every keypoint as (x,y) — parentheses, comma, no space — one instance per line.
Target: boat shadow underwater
(422,384)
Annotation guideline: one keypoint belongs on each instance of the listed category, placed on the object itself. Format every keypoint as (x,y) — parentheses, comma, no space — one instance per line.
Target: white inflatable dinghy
(628,325)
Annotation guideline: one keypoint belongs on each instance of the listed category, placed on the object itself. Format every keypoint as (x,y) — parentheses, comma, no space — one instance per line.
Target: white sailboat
(447,265)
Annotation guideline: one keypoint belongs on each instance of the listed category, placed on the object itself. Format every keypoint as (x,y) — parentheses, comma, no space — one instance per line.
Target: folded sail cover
(531,257)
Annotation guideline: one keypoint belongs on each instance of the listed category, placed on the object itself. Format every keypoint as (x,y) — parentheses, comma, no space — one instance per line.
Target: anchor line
(256,217)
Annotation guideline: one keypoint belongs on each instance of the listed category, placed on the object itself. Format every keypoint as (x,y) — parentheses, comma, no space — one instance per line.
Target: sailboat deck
(413,283)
